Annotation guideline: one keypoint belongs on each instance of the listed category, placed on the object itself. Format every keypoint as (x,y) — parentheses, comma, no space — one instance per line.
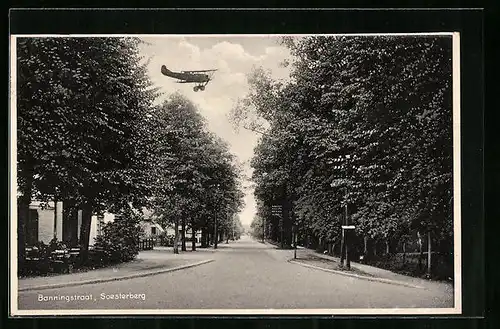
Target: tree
(82,106)
(363,123)
(198,180)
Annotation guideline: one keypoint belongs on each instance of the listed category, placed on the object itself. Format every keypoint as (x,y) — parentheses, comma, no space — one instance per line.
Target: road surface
(244,275)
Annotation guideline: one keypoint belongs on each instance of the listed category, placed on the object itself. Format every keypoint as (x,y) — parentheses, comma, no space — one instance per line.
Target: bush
(119,240)
(442,264)
(42,259)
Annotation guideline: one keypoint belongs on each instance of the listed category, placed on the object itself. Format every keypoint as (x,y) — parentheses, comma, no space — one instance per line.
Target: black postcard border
(469,22)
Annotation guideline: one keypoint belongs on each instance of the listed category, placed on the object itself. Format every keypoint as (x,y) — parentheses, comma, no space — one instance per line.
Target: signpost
(294,242)
(340,167)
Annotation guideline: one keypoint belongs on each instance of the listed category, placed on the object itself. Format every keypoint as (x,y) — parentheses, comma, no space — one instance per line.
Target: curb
(120,278)
(362,277)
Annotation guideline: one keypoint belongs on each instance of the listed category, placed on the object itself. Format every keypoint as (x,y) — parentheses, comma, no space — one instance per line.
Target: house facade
(46,222)
(151,229)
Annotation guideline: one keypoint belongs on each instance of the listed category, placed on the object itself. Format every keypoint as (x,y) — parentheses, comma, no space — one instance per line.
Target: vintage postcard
(235,174)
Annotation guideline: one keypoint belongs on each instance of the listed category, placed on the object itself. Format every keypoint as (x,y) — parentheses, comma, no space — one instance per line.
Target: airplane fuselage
(186,77)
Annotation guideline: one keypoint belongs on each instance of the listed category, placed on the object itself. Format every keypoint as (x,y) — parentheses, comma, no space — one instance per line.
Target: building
(41,225)
(151,229)
(45,222)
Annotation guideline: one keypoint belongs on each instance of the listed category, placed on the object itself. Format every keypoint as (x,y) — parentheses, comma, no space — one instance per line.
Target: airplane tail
(164,70)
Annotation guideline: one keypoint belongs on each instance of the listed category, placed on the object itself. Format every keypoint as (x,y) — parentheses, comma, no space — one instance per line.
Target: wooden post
(347,251)
(342,247)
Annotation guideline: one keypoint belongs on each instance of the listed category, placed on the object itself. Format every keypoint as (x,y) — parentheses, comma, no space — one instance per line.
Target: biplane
(201,77)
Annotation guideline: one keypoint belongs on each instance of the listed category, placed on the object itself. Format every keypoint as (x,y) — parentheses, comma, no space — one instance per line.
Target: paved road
(245,275)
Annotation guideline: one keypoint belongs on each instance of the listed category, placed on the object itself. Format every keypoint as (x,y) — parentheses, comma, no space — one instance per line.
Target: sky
(233,57)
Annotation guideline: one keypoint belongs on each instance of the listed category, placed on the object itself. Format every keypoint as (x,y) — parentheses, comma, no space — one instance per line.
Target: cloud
(231,51)
(192,52)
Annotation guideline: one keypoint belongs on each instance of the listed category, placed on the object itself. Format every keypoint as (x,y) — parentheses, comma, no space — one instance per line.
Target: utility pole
(294,241)
(346,234)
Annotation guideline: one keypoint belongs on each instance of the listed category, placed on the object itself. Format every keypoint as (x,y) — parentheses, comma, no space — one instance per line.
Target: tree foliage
(198,178)
(364,123)
(90,135)
(82,104)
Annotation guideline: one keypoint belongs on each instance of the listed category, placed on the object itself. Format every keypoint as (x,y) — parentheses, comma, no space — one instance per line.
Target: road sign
(348,227)
(276,210)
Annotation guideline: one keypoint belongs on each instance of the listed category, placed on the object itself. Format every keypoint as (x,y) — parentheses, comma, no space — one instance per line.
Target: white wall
(46,221)
(94,226)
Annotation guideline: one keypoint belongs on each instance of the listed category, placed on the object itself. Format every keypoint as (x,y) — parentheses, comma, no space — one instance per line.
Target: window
(153,230)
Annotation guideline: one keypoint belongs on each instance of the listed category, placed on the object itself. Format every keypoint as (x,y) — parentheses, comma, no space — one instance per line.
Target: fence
(146,244)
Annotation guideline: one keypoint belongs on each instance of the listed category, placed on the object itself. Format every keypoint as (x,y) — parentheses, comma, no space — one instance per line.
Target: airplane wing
(199,71)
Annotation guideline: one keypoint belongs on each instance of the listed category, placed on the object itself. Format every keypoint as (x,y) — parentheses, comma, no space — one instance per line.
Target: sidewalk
(149,262)
(313,259)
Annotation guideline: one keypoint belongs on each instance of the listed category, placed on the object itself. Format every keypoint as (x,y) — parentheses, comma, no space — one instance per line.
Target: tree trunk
(204,237)
(183,235)
(55,217)
(421,250)
(70,223)
(429,251)
(193,236)
(85,231)
(22,218)
(387,247)
(176,236)
(365,250)
(404,252)
(215,232)
(23,209)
